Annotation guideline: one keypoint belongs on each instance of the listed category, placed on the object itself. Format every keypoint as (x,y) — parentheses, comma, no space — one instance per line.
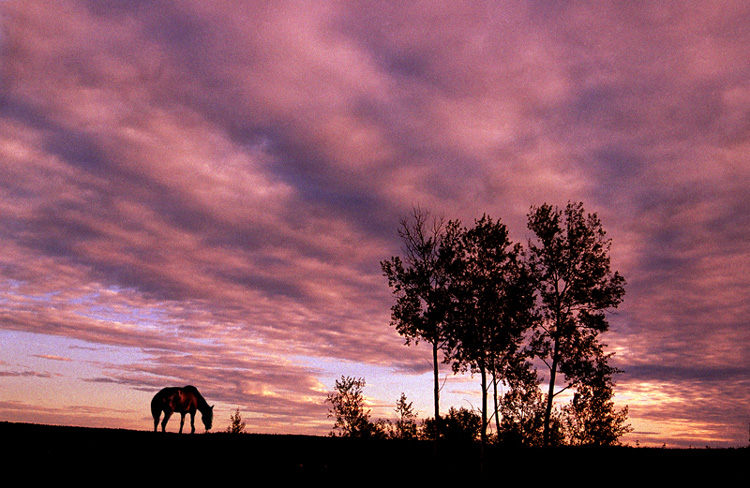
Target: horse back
(175,399)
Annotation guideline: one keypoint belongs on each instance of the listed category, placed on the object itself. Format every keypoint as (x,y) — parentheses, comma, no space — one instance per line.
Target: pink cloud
(217,183)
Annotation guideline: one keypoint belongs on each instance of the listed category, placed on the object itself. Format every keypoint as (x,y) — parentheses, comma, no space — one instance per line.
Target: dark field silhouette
(83,454)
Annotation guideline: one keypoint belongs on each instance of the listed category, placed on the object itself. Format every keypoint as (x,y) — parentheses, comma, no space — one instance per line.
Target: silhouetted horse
(183,400)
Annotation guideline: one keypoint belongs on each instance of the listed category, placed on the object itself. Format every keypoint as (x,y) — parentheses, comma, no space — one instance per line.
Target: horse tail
(155,406)
(157,403)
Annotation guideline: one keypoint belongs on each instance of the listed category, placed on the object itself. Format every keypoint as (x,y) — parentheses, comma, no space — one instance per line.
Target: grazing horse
(183,400)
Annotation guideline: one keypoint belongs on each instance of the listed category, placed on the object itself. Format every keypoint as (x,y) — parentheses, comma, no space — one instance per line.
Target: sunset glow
(202,192)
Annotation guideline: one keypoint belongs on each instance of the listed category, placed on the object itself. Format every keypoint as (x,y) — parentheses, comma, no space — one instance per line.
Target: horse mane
(202,403)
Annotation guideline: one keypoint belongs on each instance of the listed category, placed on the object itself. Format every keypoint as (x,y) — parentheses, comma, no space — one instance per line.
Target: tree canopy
(419,282)
(497,309)
(570,265)
(491,301)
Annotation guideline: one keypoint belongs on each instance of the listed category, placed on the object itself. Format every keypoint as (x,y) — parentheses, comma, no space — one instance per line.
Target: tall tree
(419,282)
(569,259)
(491,302)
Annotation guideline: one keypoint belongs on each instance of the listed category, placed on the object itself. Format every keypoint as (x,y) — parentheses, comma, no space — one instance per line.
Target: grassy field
(86,455)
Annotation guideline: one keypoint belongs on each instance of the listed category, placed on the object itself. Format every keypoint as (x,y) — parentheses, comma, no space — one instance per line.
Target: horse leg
(192,422)
(165,420)
(156,421)
(182,421)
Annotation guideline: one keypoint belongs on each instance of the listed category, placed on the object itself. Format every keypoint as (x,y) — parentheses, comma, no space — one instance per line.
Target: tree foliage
(458,425)
(522,407)
(491,301)
(236,424)
(419,282)
(406,423)
(591,417)
(498,310)
(348,408)
(569,260)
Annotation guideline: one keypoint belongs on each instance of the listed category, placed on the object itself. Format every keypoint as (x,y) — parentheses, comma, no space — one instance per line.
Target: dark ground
(109,456)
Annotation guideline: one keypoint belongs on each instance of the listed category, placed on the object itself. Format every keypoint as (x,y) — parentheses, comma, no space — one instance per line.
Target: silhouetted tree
(459,425)
(236,425)
(419,282)
(491,302)
(591,417)
(569,259)
(522,407)
(348,408)
(406,424)
(522,411)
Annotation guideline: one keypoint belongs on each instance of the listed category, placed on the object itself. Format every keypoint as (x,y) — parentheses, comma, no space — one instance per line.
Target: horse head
(208,417)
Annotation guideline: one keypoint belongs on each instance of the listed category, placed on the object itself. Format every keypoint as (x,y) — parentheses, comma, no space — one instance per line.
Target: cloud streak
(205,190)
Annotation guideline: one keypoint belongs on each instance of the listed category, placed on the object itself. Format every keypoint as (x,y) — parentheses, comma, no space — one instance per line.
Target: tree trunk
(484,417)
(550,395)
(483,373)
(436,391)
(497,406)
(553,367)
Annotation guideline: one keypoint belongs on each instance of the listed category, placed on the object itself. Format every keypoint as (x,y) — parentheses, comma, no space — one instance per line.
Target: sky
(202,193)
